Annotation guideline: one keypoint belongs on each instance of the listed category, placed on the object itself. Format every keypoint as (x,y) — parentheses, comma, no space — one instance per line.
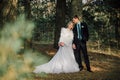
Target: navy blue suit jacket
(84,33)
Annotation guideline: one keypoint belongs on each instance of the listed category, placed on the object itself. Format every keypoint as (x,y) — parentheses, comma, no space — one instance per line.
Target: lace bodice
(66,36)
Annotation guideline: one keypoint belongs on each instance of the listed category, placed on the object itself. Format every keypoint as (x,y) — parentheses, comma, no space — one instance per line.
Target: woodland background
(28,26)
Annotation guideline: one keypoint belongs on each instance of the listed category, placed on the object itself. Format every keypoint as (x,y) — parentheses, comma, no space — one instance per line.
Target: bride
(63,61)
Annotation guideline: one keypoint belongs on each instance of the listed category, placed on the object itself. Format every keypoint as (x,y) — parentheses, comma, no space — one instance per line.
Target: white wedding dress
(63,61)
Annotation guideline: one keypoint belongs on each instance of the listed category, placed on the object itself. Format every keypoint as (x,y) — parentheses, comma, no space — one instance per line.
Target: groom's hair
(76,16)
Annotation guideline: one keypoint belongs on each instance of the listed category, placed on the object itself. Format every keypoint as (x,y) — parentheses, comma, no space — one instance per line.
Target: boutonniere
(82,26)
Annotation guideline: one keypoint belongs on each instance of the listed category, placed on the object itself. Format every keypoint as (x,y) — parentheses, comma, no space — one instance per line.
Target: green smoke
(12,65)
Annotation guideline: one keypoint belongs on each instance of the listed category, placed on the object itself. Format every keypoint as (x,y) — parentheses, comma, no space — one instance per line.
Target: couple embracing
(68,57)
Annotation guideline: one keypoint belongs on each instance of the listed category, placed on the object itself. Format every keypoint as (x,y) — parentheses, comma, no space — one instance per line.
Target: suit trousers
(81,47)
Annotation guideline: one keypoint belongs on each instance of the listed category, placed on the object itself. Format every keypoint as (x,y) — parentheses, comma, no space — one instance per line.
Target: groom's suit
(81,44)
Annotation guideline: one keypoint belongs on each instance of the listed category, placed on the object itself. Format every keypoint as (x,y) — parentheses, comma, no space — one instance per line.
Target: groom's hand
(74,47)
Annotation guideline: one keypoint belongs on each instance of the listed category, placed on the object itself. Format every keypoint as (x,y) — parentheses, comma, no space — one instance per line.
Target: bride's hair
(69,23)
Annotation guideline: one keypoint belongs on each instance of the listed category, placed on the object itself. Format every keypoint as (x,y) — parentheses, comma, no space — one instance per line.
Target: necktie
(79,31)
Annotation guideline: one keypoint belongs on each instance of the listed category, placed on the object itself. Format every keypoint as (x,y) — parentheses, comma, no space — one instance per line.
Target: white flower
(82,26)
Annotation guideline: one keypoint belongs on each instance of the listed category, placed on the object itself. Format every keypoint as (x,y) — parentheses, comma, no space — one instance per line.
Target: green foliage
(43,14)
(100,19)
(99,15)
(15,66)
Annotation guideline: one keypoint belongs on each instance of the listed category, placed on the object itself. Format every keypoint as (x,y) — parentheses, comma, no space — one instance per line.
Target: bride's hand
(61,44)
(74,47)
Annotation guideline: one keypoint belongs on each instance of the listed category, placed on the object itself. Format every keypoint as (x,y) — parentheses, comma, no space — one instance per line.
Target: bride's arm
(61,40)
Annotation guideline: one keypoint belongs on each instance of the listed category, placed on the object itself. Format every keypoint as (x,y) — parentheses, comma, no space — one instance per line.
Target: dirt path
(104,67)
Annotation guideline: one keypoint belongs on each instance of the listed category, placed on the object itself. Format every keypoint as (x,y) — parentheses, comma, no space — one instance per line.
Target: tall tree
(76,7)
(115,4)
(27,11)
(27,8)
(8,11)
(60,19)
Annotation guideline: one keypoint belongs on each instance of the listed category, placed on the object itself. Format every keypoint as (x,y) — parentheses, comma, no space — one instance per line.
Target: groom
(81,35)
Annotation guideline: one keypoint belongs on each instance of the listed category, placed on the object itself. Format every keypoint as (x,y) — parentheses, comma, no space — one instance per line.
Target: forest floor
(104,67)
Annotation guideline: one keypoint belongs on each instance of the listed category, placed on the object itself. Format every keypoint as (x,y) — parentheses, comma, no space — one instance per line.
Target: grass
(104,67)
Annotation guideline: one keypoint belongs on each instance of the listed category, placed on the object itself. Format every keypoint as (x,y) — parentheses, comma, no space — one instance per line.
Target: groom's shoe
(81,68)
(89,70)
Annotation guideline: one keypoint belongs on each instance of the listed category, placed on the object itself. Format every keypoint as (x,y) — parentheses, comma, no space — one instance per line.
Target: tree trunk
(60,20)
(28,17)
(76,8)
(117,30)
(27,9)
(8,11)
